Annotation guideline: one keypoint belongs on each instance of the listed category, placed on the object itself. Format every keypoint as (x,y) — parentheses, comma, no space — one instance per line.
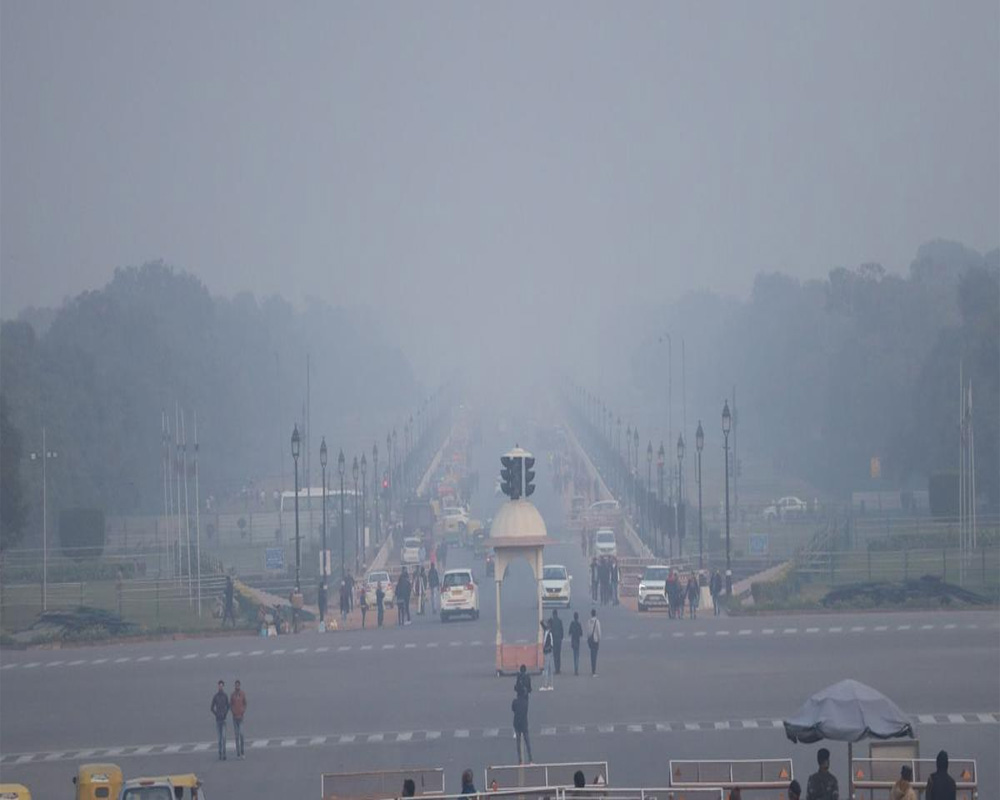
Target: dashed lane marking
(396,737)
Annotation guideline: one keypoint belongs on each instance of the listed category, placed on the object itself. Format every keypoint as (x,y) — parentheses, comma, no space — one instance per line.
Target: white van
(605,543)
(459,594)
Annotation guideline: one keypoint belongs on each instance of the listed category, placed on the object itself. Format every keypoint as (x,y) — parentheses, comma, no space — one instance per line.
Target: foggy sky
(451,165)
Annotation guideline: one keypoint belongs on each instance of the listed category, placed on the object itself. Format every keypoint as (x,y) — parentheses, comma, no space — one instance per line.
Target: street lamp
(680,494)
(699,444)
(618,462)
(727,424)
(296,444)
(388,469)
(322,558)
(635,470)
(395,457)
(44,456)
(364,503)
(649,484)
(378,528)
(357,522)
(661,459)
(340,469)
(628,471)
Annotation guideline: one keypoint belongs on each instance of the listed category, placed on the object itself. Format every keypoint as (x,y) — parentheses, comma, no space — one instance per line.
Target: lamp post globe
(727,423)
(296,445)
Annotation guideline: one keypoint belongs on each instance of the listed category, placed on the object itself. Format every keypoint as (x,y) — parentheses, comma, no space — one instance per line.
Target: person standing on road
(556,627)
(522,684)
(363,604)
(614,581)
(220,708)
(547,648)
(380,603)
(402,598)
(593,640)
(238,707)
(940,785)
(345,600)
(593,579)
(433,583)
(350,592)
(322,600)
(692,597)
(822,784)
(520,708)
(715,587)
(229,608)
(420,584)
(575,635)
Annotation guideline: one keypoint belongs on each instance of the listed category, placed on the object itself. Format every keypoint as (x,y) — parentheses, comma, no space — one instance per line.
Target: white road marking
(388,647)
(376,737)
(986,717)
(691,726)
(298,650)
(8,666)
(767,631)
(176,748)
(432,735)
(288,742)
(881,627)
(56,663)
(454,644)
(234,653)
(259,743)
(835,629)
(278,652)
(256,652)
(103,660)
(115,751)
(927,719)
(432,644)
(903,627)
(744,632)
(857,628)
(791,630)
(476,643)
(345,647)
(141,751)
(211,655)
(189,656)
(812,630)
(405,736)
(322,649)
(749,723)
(317,740)
(346,738)
(84,661)
(678,634)
(409,646)
(722,633)
(699,633)
(201,747)
(54,756)
(926,627)
(656,635)
(142,659)
(950,626)
(956,718)
(366,647)
(461,733)
(722,726)
(634,728)
(123,659)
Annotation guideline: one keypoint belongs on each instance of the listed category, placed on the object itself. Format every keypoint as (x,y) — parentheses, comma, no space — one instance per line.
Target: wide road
(426,694)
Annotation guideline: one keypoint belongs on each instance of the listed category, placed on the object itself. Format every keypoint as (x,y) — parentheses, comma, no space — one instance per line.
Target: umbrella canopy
(848,711)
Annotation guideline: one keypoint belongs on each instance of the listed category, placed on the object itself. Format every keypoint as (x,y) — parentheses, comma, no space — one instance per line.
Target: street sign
(274,558)
(325,563)
(758,544)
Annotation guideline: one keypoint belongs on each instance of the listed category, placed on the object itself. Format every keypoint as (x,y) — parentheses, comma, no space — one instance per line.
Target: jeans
(220,725)
(557,655)
(576,660)
(547,670)
(434,600)
(238,735)
(593,656)
(519,735)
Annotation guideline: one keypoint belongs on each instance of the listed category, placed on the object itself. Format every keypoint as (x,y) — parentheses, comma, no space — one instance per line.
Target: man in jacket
(238,707)
(940,785)
(575,635)
(520,708)
(547,655)
(593,640)
(556,626)
(822,784)
(220,708)
(715,587)
(434,582)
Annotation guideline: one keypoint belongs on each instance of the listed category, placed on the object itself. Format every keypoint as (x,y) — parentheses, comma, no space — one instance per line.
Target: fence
(754,773)
(384,783)
(555,774)
(873,777)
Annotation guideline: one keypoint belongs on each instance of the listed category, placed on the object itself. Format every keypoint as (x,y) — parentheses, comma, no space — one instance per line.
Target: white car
(454,519)
(556,585)
(371,585)
(459,594)
(653,587)
(605,506)
(604,543)
(786,505)
(413,550)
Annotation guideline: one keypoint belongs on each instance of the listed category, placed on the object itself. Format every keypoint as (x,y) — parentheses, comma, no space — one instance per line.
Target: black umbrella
(848,711)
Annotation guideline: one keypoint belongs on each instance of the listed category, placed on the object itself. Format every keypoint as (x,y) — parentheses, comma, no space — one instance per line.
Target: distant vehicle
(14,791)
(459,594)
(454,519)
(413,550)
(653,587)
(605,506)
(556,585)
(577,505)
(605,543)
(374,578)
(180,787)
(785,506)
(417,515)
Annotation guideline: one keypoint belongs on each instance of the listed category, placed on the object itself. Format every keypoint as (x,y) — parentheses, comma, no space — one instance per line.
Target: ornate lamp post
(649,486)
(635,469)
(340,469)
(388,466)
(296,445)
(357,522)
(660,461)
(364,502)
(680,494)
(628,470)
(727,424)
(378,527)
(323,454)
(699,444)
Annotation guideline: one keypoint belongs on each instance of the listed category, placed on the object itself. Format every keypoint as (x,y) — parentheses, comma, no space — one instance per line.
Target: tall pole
(364,503)
(378,526)
(296,440)
(45,526)
(170,497)
(726,422)
(699,440)
(197,509)
(322,560)
(166,466)
(187,508)
(340,466)
(680,494)
(177,466)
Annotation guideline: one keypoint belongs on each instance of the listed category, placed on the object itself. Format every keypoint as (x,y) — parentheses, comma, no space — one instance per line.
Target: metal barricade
(644,793)
(747,773)
(383,783)
(546,775)
(874,777)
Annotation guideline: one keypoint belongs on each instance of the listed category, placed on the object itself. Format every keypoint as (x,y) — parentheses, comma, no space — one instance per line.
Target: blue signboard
(758,544)
(274,558)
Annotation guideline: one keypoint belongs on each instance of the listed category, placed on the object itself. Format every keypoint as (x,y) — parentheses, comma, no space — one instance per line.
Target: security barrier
(546,775)
(750,773)
(383,783)
(874,777)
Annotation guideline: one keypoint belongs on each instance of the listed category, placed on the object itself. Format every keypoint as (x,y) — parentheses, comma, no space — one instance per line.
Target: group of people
(680,593)
(604,575)
(553,634)
(223,706)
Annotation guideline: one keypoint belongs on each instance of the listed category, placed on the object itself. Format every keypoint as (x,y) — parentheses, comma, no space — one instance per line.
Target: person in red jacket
(238,707)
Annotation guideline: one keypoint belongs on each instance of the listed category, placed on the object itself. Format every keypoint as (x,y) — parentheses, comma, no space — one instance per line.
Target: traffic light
(529,475)
(510,477)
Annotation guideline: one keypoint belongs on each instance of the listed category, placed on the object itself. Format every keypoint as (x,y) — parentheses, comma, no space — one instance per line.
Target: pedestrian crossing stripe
(398,737)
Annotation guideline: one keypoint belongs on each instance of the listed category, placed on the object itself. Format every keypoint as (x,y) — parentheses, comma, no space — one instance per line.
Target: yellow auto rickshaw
(184,786)
(98,781)
(14,791)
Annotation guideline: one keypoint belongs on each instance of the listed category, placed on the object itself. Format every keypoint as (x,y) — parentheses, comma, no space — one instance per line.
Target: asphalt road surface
(426,695)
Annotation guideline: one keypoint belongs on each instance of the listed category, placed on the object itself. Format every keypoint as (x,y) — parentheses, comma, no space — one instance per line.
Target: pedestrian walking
(520,708)
(350,592)
(940,785)
(575,635)
(614,581)
(468,787)
(822,784)
(345,600)
(220,708)
(229,606)
(420,584)
(593,578)
(794,790)
(547,664)
(433,583)
(363,604)
(409,788)
(556,626)
(522,684)
(380,603)
(593,640)
(715,588)
(238,707)
(901,789)
(692,597)
(402,598)
(322,600)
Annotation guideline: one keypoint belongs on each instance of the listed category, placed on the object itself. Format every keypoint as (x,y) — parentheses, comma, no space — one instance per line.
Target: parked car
(785,506)
(556,585)
(374,578)
(605,543)
(653,587)
(459,594)
(413,550)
